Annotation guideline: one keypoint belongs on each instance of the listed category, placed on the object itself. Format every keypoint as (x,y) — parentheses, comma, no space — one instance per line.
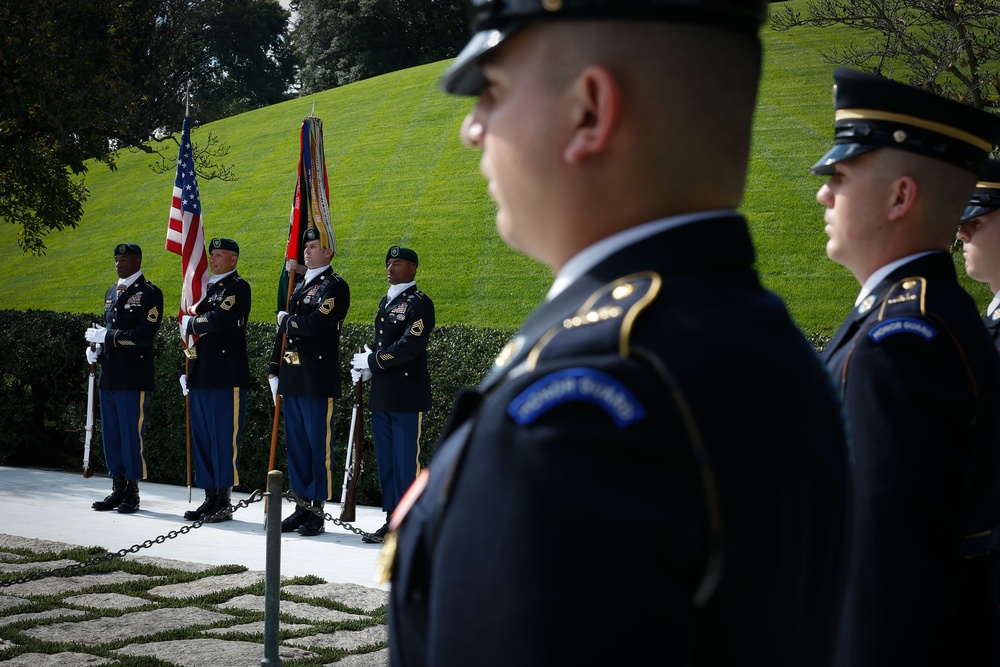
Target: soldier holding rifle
(133,311)
(401,383)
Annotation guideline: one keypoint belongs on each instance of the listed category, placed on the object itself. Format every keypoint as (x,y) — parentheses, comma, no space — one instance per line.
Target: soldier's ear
(595,112)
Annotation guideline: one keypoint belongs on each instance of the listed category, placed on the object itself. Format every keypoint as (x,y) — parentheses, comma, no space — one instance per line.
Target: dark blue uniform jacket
(221,326)
(656,460)
(920,381)
(400,379)
(311,363)
(132,319)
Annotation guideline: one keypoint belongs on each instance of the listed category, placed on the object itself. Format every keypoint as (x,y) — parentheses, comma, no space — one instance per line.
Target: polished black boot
(116,497)
(296,519)
(222,502)
(313,524)
(131,501)
(378,535)
(205,508)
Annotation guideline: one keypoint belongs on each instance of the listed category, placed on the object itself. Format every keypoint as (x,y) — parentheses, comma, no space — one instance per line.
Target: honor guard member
(307,376)
(218,375)
(980,237)
(133,310)
(918,375)
(401,384)
(631,426)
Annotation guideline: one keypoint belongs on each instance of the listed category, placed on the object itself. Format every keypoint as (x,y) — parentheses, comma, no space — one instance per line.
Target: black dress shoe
(296,519)
(377,536)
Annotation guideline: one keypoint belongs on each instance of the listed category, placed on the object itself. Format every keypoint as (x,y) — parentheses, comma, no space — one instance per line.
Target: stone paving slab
(111,629)
(255,628)
(378,658)
(61,585)
(107,601)
(212,652)
(309,612)
(350,595)
(36,566)
(208,585)
(41,616)
(349,640)
(11,602)
(66,659)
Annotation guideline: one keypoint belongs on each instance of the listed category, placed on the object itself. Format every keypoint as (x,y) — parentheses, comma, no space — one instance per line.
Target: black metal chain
(255,497)
(291,495)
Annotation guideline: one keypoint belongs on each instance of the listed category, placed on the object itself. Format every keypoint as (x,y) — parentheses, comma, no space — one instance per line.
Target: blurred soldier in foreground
(919,377)
(655,465)
(133,310)
(218,375)
(307,376)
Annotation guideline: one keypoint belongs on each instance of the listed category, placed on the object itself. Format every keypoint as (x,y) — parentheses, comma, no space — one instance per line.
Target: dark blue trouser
(217,418)
(309,443)
(123,427)
(397,451)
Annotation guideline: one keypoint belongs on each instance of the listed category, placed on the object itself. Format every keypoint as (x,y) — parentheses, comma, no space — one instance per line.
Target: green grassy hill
(398,174)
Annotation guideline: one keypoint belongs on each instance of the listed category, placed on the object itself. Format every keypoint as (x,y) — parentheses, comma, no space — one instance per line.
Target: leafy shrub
(43,386)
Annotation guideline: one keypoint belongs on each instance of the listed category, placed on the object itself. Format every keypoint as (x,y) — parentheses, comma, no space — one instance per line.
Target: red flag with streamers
(185,235)
(310,205)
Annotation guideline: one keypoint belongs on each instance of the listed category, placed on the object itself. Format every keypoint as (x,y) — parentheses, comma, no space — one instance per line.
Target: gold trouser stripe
(940,128)
(329,439)
(420,427)
(142,419)
(236,427)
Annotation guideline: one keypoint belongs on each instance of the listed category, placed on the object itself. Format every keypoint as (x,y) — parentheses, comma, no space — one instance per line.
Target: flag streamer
(310,203)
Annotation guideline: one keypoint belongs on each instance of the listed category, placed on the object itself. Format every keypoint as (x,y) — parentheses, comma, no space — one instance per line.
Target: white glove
(183,322)
(184,384)
(93,354)
(273,381)
(360,360)
(96,334)
(358,375)
(282,314)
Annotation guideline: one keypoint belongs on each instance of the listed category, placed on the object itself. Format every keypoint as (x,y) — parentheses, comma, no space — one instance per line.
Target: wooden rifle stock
(347,510)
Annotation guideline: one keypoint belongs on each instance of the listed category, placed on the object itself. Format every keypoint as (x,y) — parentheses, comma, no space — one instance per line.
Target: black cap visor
(464,77)
(839,153)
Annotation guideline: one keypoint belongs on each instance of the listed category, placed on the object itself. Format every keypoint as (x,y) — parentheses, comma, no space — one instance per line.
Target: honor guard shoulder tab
(903,311)
(605,318)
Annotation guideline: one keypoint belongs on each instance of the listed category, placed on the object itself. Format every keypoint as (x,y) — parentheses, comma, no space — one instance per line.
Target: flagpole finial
(187,100)
(312,113)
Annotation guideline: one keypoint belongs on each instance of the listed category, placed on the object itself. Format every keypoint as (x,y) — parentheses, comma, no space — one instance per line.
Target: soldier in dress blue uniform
(658,440)
(307,376)
(980,237)
(218,375)
(133,310)
(401,384)
(918,375)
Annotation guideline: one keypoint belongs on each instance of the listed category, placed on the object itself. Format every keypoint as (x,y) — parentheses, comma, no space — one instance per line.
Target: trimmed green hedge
(43,387)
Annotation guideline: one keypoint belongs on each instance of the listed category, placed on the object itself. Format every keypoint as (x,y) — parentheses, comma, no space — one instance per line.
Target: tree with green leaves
(342,41)
(949,47)
(82,79)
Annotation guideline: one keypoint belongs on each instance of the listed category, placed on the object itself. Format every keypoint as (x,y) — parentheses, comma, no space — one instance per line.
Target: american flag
(185,235)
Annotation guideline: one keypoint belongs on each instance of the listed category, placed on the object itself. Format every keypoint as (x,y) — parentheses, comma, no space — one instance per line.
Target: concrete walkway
(47,512)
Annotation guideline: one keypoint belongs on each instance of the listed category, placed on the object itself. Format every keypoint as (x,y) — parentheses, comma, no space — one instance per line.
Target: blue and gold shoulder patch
(577,385)
(901,325)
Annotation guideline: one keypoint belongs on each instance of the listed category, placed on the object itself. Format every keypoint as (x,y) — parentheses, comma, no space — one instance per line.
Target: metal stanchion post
(272,572)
